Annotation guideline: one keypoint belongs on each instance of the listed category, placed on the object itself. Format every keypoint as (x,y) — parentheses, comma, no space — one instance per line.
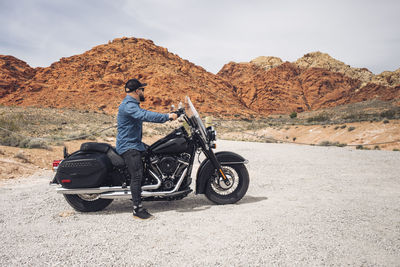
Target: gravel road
(305,206)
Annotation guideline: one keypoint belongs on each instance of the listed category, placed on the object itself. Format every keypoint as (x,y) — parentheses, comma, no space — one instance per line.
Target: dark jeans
(133,160)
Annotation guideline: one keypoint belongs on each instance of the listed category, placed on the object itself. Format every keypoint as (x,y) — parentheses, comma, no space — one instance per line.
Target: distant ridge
(95,79)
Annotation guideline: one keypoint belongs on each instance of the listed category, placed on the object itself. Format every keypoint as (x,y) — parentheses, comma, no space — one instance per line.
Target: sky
(209,33)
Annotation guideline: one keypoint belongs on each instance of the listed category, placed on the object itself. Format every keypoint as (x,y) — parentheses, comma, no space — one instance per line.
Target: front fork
(211,156)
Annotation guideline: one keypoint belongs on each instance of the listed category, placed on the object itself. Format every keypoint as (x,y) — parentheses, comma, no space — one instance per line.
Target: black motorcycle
(93,176)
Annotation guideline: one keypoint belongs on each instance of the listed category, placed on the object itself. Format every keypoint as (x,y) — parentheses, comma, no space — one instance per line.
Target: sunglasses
(140,88)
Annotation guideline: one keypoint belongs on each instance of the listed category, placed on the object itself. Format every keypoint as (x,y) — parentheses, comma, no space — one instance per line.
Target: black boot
(141,213)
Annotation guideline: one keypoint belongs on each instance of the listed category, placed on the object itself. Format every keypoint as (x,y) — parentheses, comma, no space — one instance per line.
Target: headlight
(211,134)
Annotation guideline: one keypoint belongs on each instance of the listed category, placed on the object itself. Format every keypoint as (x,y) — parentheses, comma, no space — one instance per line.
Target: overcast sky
(209,33)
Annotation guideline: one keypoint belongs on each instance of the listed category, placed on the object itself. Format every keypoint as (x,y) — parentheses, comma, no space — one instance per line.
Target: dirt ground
(368,134)
(305,206)
(17,162)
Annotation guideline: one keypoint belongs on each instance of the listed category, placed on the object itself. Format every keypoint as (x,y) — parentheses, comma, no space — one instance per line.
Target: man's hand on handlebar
(173,116)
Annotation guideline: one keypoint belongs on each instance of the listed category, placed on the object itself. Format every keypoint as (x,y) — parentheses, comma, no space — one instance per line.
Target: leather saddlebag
(83,170)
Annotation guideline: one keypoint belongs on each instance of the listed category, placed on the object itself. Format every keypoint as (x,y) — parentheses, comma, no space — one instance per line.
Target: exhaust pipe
(112,192)
(127,194)
(99,190)
(114,195)
(153,186)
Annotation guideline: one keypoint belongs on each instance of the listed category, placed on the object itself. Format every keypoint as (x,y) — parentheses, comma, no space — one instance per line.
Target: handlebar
(179,112)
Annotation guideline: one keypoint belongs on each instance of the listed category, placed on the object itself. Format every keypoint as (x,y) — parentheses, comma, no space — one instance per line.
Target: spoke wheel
(220,187)
(89,197)
(221,193)
(87,202)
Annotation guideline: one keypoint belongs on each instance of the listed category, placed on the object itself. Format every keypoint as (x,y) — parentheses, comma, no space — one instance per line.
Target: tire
(83,203)
(221,196)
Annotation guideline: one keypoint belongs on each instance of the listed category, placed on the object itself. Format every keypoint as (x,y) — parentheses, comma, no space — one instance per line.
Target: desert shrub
(357,117)
(12,140)
(396,149)
(22,157)
(294,139)
(352,117)
(336,127)
(12,122)
(22,142)
(247,119)
(351,128)
(377,148)
(37,143)
(58,143)
(361,147)
(80,136)
(319,118)
(343,126)
(293,115)
(324,143)
(328,143)
(390,114)
(385,121)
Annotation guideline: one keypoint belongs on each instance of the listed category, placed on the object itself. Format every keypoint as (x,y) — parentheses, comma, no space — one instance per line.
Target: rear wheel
(87,202)
(220,193)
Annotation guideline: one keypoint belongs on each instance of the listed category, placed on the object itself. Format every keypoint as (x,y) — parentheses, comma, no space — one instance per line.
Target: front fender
(206,168)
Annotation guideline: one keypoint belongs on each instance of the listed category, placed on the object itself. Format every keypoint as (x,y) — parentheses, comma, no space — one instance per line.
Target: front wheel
(87,202)
(220,193)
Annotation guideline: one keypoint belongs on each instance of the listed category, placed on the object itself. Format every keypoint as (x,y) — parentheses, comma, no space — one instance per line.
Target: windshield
(191,112)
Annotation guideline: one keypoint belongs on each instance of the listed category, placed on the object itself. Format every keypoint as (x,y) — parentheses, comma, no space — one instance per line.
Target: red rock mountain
(288,87)
(95,79)
(13,73)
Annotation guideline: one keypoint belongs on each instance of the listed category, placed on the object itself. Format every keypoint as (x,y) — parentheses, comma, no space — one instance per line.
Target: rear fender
(206,168)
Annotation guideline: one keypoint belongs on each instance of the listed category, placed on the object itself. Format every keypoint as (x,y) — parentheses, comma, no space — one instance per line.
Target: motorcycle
(92,177)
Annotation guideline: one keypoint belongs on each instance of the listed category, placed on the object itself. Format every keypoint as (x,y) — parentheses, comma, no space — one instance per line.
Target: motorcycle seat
(115,159)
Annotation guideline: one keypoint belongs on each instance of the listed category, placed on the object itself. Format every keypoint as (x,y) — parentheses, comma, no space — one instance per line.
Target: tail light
(55,164)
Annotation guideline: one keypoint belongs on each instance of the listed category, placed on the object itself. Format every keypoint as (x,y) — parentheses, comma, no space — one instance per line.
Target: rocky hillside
(325,61)
(267,85)
(13,74)
(95,80)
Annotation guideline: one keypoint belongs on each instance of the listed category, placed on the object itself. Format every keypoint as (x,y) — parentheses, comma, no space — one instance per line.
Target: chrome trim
(166,193)
(235,162)
(114,195)
(97,190)
(183,162)
(153,186)
(176,170)
(118,191)
(127,194)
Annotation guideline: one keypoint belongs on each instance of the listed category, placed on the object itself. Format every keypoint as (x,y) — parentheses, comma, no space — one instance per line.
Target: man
(129,139)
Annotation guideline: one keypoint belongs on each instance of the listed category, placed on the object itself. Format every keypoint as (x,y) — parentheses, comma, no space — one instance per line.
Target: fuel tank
(174,143)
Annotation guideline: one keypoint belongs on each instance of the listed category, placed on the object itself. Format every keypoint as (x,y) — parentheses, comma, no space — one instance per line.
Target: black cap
(133,84)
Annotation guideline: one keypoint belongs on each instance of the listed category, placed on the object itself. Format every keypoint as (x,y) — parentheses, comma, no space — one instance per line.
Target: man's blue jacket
(130,122)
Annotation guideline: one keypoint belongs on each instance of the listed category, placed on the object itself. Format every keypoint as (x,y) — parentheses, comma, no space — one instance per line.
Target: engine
(168,165)
(169,168)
